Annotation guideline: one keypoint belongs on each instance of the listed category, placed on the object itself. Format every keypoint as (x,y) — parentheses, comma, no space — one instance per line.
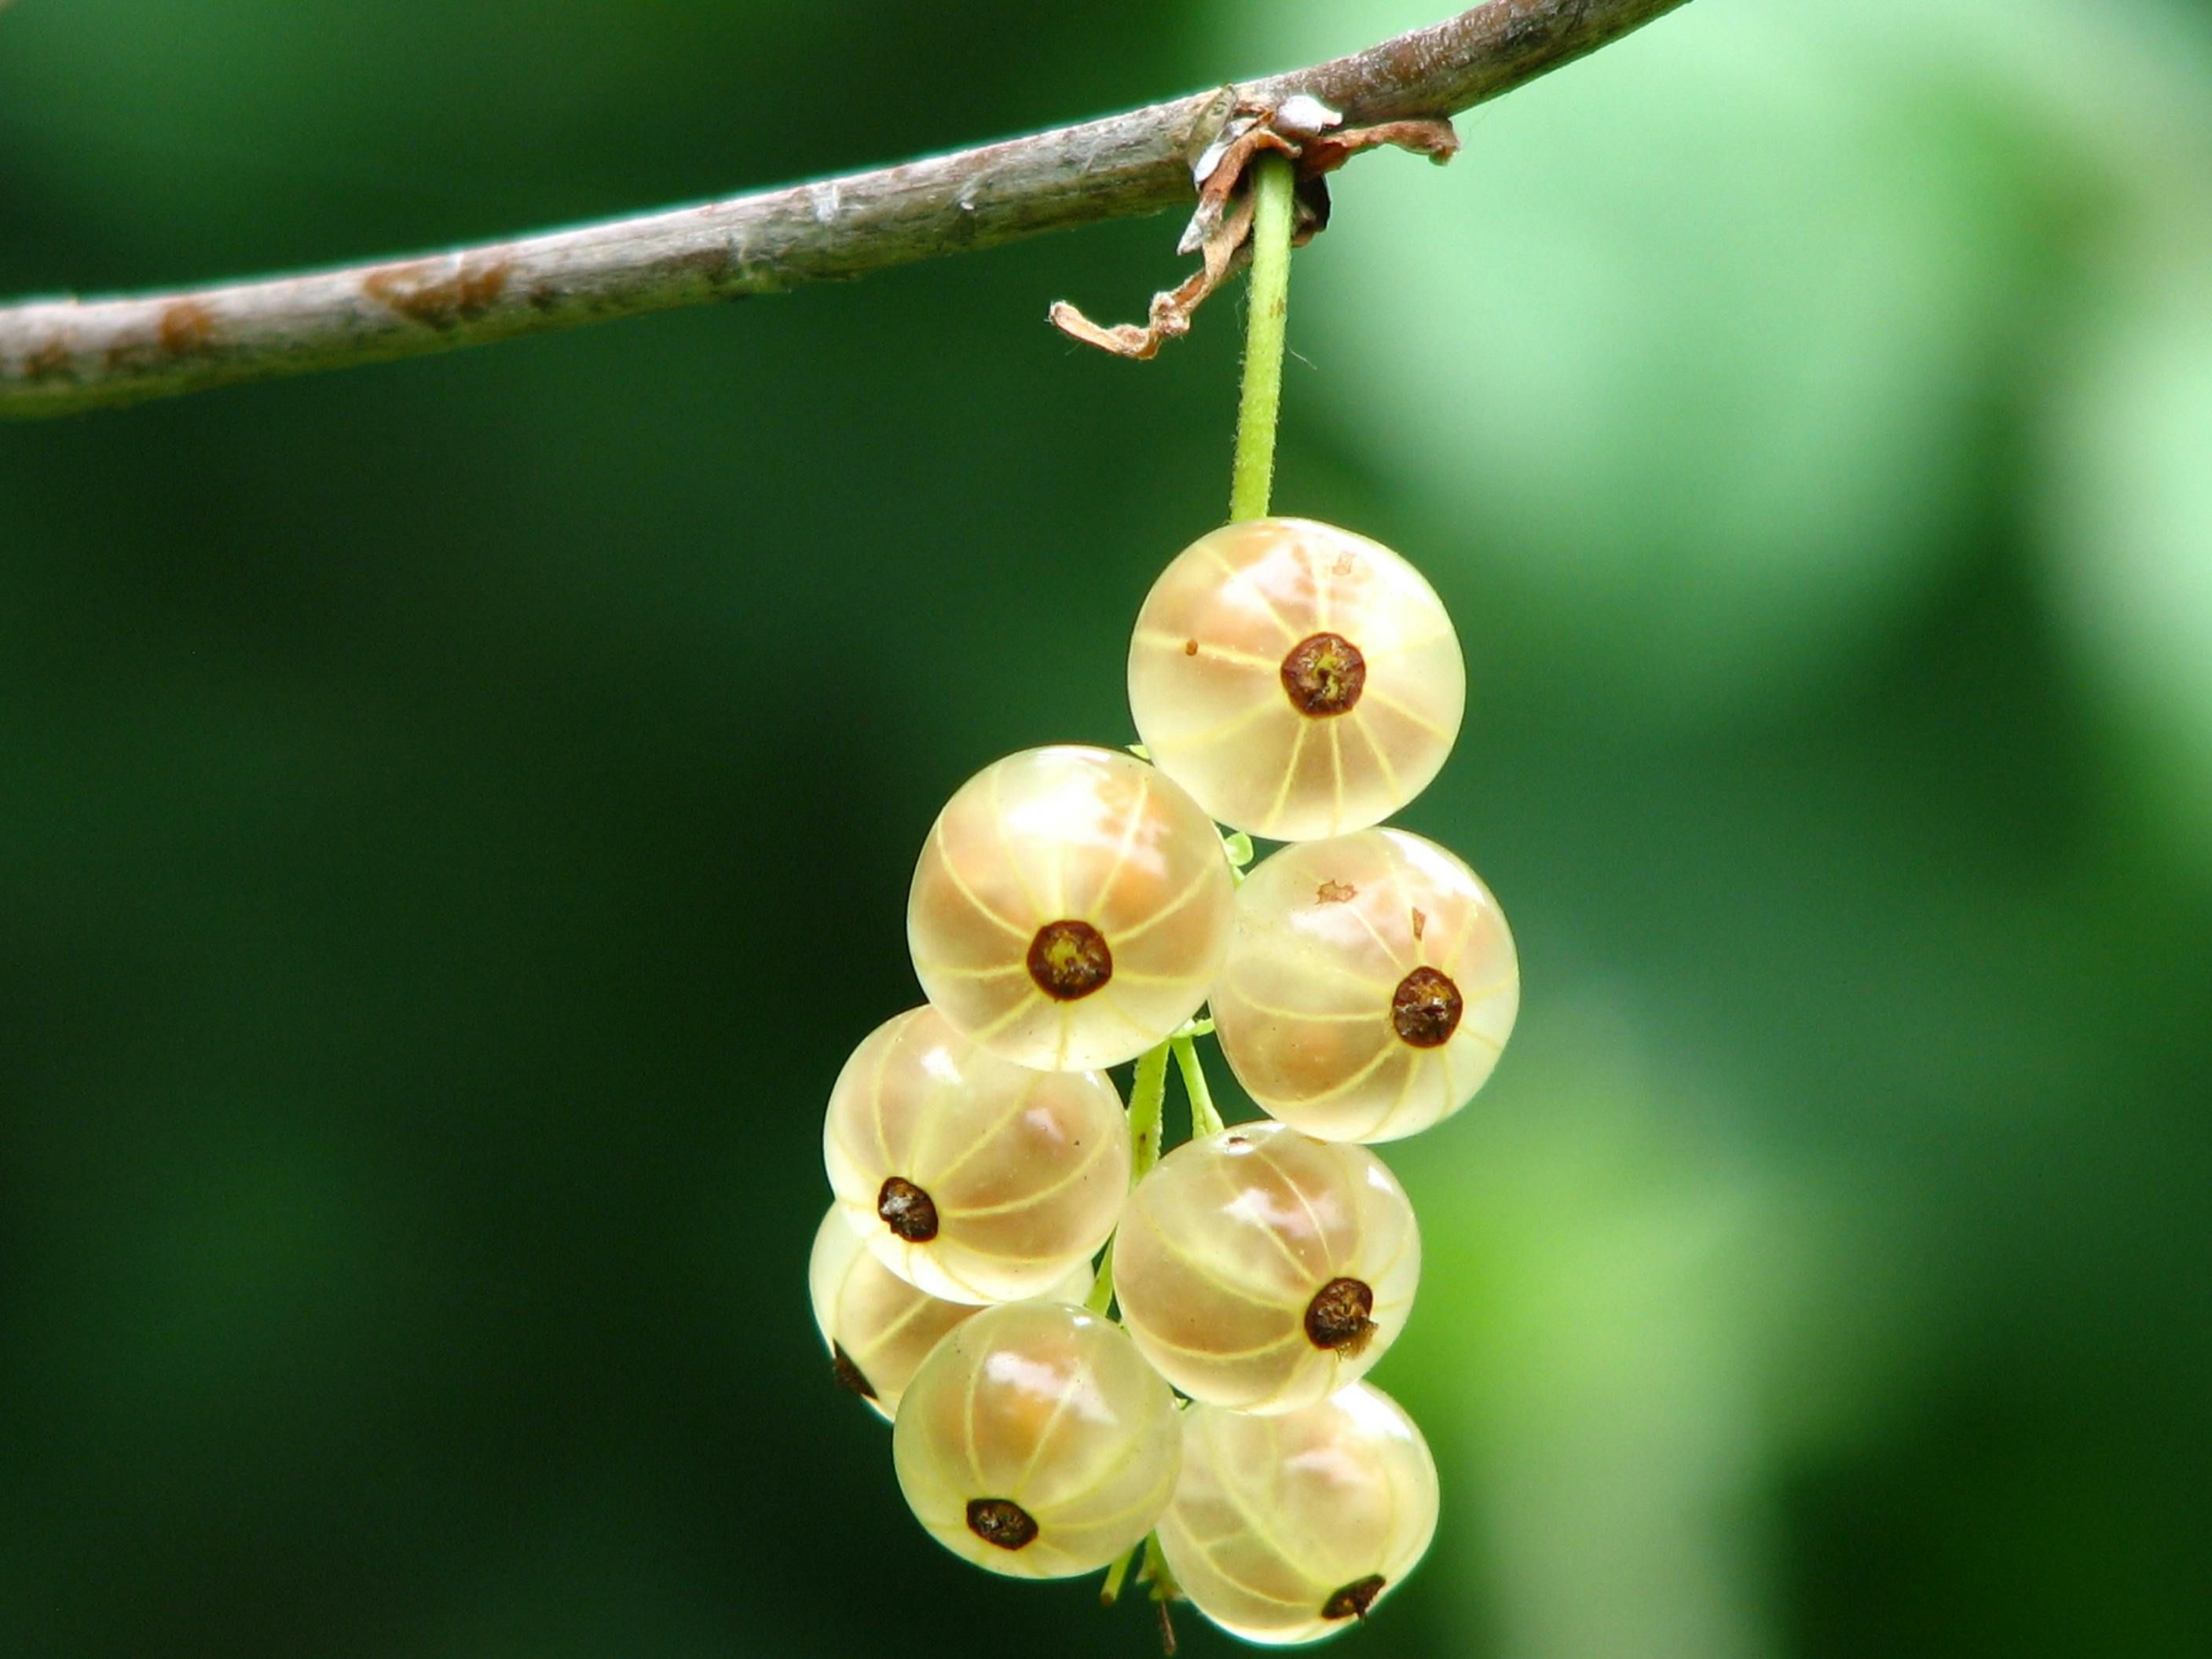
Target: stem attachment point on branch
(1303,130)
(60,355)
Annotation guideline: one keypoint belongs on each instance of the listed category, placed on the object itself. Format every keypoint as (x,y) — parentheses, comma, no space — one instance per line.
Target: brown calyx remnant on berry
(1355,1598)
(907,1210)
(1425,1009)
(1324,674)
(1069,960)
(1190,647)
(849,1376)
(1336,892)
(1004,1523)
(1337,1317)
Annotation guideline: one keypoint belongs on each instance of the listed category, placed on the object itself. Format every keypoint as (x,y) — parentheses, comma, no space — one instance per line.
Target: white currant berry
(1262,1270)
(877,1327)
(970,1178)
(1289,1528)
(1070,908)
(1371,985)
(1300,681)
(1035,1441)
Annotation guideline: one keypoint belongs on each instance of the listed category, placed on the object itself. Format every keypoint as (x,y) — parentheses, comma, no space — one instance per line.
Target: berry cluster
(1075,907)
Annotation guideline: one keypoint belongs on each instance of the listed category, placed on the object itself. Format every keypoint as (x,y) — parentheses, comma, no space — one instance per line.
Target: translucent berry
(1262,1270)
(1300,681)
(1035,1441)
(1371,985)
(970,1178)
(876,1327)
(1070,908)
(1289,1528)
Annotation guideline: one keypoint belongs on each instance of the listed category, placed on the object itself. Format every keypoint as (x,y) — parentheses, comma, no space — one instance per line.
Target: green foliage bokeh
(455,817)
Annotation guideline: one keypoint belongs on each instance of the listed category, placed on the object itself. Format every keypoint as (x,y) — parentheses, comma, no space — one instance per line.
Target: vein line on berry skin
(1107,1000)
(1405,1088)
(952,874)
(883,1337)
(1317,1018)
(1245,579)
(1336,771)
(1005,848)
(1290,770)
(1321,1233)
(1382,761)
(1350,1082)
(1122,852)
(940,970)
(1228,653)
(875,1103)
(1191,890)
(968,1424)
(1408,1238)
(1302,1274)
(1381,988)
(1020,1487)
(982,1035)
(1201,1270)
(932,1124)
(1013,1205)
(1228,728)
(1211,1357)
(1237,1503)
(1399,707)
(1470,915)
(1390,1107)
(1389,951)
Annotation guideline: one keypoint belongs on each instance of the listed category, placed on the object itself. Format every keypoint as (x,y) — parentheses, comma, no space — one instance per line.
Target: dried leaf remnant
(1301,127)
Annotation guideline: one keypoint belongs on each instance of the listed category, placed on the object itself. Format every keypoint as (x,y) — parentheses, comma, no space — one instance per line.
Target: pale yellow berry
(1262,1270)
(1371,982)
(1300,681)
(1289,1528)
(1035,1441)
(970,1178)
(1070,908)
(877,1327)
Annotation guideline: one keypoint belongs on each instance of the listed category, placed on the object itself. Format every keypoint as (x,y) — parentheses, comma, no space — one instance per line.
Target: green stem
(1164,1588)
(1148,1096)
(1273,218)
(1204,1119)
(1111,1591)
(1101,1299)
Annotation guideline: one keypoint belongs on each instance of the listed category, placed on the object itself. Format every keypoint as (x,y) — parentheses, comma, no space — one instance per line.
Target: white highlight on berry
(1070,908)
(1225,1246)
(1208,688)
(1282,1526)
(1323,1010)
(1010,1178)
(881,1325)
(1040,1413)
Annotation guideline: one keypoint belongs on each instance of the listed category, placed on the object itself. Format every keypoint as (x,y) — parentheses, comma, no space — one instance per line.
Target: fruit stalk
(1205,1118)
(1253,478)
(1148,1096)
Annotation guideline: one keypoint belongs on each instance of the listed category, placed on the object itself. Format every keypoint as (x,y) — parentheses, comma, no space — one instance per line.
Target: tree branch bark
(60,356)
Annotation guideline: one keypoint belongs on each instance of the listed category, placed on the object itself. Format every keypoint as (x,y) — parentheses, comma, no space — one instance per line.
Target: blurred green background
(455,817)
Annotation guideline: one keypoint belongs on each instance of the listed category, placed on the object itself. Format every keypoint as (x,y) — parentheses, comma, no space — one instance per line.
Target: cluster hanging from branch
(1077,907)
